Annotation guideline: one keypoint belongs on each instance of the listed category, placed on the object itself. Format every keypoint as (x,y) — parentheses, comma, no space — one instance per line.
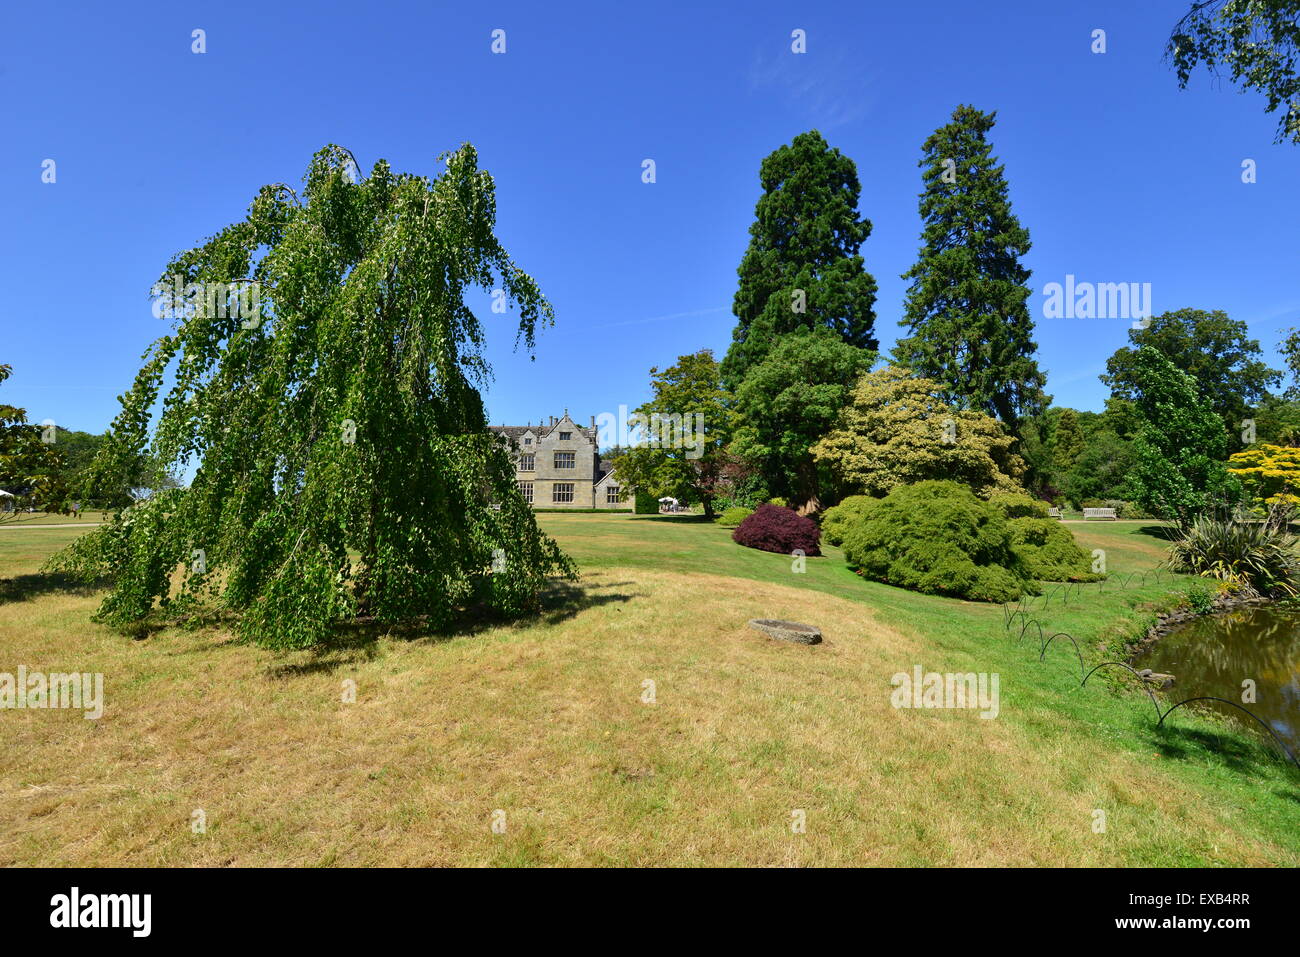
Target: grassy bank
(545,720)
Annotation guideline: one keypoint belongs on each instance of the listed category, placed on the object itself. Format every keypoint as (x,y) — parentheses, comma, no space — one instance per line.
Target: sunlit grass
(545,721)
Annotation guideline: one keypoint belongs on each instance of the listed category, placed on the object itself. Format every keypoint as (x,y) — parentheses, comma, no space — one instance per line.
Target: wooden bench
(1053,512)
(1099,513)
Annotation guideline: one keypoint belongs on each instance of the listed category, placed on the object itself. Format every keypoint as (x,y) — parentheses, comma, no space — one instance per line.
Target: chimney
(593,423)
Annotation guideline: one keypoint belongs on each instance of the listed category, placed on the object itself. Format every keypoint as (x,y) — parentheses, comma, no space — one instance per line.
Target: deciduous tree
(897,430)
(1178,469)
(1256,41)
(692,470)
(789,401)
(1217,352)
(29,467)
(342,420)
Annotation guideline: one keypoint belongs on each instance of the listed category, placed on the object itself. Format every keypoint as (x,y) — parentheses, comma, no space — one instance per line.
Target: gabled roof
(516,432)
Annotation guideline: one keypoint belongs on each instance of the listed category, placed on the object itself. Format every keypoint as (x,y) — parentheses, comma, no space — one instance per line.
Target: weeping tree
(1256,43)
(321,377)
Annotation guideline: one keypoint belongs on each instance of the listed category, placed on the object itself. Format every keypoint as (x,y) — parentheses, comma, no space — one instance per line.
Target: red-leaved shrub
(776,529)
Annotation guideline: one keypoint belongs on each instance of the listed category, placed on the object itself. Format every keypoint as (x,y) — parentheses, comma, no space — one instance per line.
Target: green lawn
(546,721)
(1241,770)
(23,519)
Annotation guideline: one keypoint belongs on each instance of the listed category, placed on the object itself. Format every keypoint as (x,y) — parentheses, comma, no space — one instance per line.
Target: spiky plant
(1251,555)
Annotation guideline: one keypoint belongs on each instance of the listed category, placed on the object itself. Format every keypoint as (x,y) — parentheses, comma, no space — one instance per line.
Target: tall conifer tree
(966,314)
(802,269)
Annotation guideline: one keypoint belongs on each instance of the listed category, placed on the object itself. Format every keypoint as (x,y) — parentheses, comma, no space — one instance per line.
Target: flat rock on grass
(787,630)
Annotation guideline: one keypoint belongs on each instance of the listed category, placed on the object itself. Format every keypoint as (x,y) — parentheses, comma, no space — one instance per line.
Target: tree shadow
(679,519)
(27,587)
(342,651)
(560,602)
(1166,533)
(1247,758)
(356,642)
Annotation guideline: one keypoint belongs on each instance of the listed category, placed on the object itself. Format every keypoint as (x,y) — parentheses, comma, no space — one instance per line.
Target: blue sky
(1118,175)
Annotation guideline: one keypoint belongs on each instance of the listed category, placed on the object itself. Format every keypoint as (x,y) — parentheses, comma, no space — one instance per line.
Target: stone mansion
(558,465)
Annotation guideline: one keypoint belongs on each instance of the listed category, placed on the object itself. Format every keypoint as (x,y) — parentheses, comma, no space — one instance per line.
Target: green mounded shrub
(778,502)
(1016,505)
(1049,551)
(939,538)
(837,520)
(734,516)
(646,504)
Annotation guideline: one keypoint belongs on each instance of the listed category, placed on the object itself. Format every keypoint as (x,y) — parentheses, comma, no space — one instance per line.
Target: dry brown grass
(545,721)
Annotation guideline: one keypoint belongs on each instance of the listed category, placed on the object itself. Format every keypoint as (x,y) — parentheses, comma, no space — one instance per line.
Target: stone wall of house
(564,463)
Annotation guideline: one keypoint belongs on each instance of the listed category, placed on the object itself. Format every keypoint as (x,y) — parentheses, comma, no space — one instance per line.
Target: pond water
(1213,655)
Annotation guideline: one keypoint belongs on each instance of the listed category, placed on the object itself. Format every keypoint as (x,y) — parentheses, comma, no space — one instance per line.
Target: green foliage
(29,467)
(938,538)
(802,270)
(1120,417)
(1097,462)
(968,323)
(1258,43)
(83,484)
(1101,470)
(342,420)
(1200,599)
(690,393)
(1049,551)
(1254,556)
(895,430)
(837,520)
(1217,352)
(645,504)
(789,401)
(1067,442)
(1015,505)
(1290,350)
(1178,470)
(1277,421)
(734,516)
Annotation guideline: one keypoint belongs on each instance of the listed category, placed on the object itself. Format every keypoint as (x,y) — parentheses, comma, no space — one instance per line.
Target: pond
(1213,655)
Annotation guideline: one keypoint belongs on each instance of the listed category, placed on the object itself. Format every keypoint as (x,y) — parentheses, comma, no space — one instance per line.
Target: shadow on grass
(357,642)
(27,587)
(1166,533)
(678,519)
(1245,757)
